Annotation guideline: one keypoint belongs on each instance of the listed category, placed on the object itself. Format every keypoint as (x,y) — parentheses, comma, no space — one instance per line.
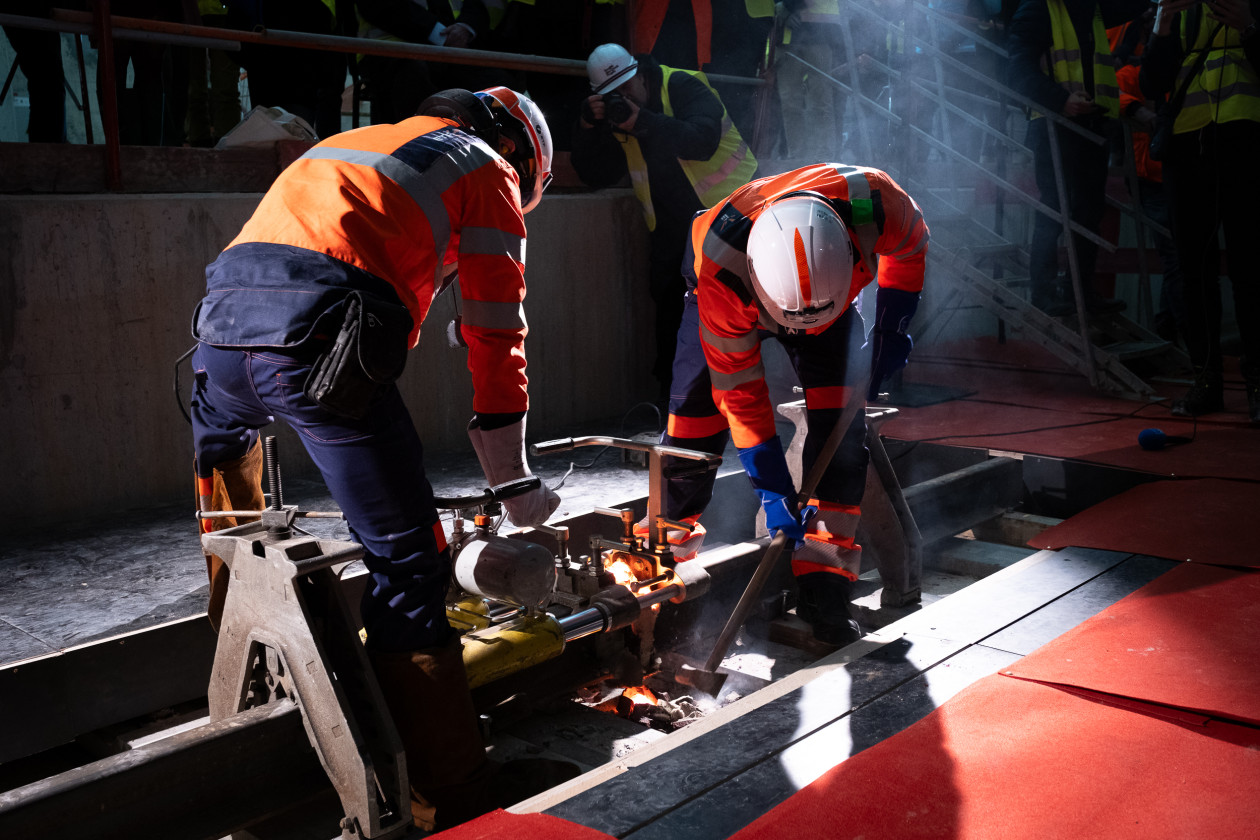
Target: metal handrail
(106,27)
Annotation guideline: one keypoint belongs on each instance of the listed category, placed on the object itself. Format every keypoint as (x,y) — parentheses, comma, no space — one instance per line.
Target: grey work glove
(502,455)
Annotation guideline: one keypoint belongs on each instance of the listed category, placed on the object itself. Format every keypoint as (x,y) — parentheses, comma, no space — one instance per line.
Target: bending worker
(669,131)
(785,257)
(352,243)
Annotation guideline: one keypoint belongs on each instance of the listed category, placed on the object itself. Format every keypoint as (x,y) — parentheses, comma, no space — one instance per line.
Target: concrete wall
(96,294)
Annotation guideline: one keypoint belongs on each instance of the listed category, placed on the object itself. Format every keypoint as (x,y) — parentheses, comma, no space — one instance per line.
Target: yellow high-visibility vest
(730,167)
(816,11)
(1226,89)
(1067,64)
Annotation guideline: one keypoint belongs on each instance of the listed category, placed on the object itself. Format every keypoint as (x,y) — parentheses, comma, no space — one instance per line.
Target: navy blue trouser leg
(373,467)
(694,420)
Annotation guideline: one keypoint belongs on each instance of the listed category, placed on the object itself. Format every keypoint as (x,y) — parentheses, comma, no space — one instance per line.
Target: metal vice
(287,632)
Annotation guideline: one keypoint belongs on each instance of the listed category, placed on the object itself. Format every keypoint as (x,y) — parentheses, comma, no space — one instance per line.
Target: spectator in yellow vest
(669,132)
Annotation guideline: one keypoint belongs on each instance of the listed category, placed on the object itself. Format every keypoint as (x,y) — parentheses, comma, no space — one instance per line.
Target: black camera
(617,108)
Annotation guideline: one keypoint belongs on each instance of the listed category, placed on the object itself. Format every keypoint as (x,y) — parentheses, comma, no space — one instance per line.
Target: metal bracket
(287,631)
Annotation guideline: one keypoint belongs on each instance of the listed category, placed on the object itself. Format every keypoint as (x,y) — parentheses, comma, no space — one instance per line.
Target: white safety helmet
(519,120)
(801,261)
(608,66)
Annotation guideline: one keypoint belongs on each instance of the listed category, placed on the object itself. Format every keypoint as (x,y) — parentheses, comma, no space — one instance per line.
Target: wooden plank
(623,796)
(733,803)
(727,808)
(1055,618)
(634,797)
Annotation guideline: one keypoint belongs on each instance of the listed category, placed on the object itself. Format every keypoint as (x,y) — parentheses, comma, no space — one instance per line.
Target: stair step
(1128,350)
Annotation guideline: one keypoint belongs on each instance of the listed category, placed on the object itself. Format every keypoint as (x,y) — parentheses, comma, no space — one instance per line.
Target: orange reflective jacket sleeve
(491,254)
(903,242)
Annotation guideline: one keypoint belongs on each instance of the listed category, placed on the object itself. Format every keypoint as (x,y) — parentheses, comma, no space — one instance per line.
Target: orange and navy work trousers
(829,366)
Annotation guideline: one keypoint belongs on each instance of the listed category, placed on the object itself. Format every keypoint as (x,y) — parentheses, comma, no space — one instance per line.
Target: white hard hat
(519,120)
(801,261)
(608,66)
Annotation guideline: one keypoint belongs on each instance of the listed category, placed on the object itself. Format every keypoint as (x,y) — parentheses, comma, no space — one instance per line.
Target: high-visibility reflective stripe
(800,567)
(424,192)
(725,255)
(831,396)
(860,189)
(1067,58)
(492,315)
(856,510)
(731,381)
(738,344)
(1208,97)
(911,230)
(492,242)
(1227,88)
(636,164)
(714,179)
(695,427)
(838,540)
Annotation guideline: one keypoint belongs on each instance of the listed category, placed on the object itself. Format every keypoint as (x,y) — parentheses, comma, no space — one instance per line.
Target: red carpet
(1206,520)
(1011,759)
(1028,401)
(503,825)
(1189,639)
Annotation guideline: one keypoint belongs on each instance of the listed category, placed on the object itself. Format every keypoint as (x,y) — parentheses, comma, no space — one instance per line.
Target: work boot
(823,602)
(452,780)
(236,485)
(1206,396)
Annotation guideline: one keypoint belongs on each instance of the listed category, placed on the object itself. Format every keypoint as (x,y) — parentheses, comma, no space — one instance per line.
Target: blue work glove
(890,343)
(768,471)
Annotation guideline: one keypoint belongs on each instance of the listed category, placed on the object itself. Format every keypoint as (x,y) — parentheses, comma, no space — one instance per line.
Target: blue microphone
(1155,439)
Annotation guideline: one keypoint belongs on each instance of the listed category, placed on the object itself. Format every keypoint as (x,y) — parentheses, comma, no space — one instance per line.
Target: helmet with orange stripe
(524,140)
(801,261)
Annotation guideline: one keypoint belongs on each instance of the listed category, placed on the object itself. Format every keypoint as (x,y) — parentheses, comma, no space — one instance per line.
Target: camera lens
(616,108)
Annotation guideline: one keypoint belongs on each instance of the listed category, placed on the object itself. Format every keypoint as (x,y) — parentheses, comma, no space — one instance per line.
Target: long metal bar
(99,18)
(588,622)
(85,28)
(195,785)
(366,46)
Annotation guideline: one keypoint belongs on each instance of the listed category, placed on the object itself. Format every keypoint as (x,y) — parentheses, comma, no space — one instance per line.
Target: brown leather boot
(427,695)
(237,485)
(452,780)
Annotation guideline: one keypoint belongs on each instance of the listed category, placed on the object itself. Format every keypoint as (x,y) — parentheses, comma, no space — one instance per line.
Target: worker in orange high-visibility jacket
(785,257)
(349,247)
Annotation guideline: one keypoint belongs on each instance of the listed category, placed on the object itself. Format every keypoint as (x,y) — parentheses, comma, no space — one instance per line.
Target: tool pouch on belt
(370,351)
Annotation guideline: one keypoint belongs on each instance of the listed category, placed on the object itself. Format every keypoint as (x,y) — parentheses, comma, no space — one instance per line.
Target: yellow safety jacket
(1067,63)
(1226,89)
(815,11)
(714,179)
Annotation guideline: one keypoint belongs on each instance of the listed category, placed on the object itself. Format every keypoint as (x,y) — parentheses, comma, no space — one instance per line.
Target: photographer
(668,130)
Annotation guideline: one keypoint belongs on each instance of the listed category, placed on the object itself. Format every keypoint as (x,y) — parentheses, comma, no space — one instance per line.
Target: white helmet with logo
(528,149)
(801,261)
(608,66)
